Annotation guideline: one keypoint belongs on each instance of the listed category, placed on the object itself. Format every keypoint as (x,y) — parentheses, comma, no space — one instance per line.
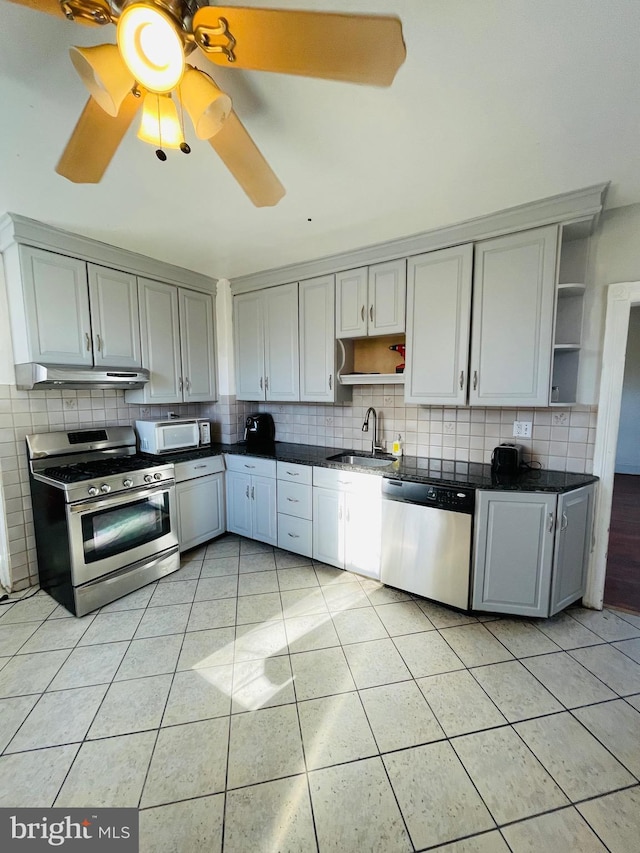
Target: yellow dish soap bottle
(396,447)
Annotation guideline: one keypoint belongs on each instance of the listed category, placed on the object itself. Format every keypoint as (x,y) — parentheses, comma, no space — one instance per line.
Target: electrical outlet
(522,429)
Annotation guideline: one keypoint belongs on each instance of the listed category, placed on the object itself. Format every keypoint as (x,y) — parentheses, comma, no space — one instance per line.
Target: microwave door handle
(119,499)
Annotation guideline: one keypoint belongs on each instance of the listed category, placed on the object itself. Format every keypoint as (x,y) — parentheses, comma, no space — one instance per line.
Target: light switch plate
(522,429)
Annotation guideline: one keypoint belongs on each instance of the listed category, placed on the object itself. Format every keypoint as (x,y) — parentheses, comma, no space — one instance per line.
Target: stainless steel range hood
(32,376)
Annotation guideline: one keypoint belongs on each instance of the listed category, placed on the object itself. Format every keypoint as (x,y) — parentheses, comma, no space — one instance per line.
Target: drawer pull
(345,482)
(249,466)
(293,500)
(195,467)
(293,535)
(293,473)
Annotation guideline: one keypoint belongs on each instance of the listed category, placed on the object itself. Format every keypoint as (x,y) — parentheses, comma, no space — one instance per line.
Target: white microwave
(165,436)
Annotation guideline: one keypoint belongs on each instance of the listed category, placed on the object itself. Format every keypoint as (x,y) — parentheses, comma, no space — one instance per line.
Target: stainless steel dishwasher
(426,540)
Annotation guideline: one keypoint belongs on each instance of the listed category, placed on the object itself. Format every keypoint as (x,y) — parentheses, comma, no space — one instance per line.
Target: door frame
(620,298)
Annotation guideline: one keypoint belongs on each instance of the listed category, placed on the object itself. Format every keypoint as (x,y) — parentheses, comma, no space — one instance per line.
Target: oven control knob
(105,489)
(127,483)
(93,491)
(148,478)
(157,476)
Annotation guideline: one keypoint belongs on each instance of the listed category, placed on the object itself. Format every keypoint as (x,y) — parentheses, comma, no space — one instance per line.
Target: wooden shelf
(372,379)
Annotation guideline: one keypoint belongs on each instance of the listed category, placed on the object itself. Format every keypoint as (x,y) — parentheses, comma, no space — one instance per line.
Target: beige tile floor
(255,701)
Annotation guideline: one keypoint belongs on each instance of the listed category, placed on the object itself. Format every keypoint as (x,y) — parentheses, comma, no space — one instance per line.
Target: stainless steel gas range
(104,517)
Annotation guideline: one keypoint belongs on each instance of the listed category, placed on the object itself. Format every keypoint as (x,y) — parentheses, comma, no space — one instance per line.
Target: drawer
(346,481)
(251,465)
(295,499)
(295,534)
(198,468)
(295,473)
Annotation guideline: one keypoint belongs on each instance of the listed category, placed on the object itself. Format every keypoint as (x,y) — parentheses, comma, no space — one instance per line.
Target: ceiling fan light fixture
(152,46)
(160,125)
(207,105)
(105,75)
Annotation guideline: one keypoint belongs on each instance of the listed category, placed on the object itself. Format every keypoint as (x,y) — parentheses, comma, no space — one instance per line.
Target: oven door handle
(121,498)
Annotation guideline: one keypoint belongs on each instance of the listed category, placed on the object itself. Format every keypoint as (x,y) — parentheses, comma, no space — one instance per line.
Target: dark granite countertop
(412,468)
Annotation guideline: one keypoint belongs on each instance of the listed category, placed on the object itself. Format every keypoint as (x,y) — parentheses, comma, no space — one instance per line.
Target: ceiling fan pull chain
(203,35)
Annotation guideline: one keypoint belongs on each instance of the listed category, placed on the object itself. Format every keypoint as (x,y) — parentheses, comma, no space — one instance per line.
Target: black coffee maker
(260,432)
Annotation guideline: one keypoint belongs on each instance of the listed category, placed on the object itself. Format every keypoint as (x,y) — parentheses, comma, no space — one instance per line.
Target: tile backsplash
(562,438)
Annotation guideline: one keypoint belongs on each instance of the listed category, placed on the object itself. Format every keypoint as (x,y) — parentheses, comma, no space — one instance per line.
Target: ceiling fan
(147,68)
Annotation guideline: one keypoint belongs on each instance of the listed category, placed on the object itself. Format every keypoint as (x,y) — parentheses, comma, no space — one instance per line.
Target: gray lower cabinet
(531,550)
(200,501)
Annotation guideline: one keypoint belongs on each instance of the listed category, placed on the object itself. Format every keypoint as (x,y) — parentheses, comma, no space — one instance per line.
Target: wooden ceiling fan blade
(95,140)
(82,14)
(352,48)
(243,159)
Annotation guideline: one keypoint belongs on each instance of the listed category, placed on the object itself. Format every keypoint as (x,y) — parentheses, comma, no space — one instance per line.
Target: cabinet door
(352,304)
(317,340)
(201,515)
(197,346)
(573,544)
(363,531)
(513,552)
(387,298)
(263,509)
(160,340)
(439,311)
(57,307)
(114,317)
(513,300)
(239,503)
(281,343)
(248,333)
(328,527)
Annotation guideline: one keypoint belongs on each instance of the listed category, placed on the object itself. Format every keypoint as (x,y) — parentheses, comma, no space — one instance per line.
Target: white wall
(628,451)
(614,256)
(7,374)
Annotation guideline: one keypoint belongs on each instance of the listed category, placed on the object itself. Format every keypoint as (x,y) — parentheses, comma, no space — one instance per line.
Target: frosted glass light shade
(208,106)
(160,125)
(105,75)
(152,47)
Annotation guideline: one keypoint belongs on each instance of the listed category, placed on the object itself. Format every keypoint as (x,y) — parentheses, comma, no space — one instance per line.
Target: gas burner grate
(98,468)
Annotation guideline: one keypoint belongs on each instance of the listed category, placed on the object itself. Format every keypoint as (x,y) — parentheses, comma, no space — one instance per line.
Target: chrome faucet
(365,428)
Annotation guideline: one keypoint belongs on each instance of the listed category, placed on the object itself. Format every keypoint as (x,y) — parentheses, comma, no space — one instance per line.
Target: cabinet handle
(293,500)
(345,482)
(294,535)
(180,384)
(187,383)
(551,519)
(293,473)
(261,383)
(249,466)
(87,340)
(362,313)
(266,383)
(461,379)
(565,521)
(253,493)
(475,379)
(371,313)
(330,381)
(195,467)
(339,513)
(99,343)
(247,491)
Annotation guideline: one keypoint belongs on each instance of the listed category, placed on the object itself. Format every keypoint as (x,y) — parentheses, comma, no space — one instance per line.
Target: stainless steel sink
(361,461)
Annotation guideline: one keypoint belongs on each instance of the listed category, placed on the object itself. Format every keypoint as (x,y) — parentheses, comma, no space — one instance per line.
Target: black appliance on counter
(506,459)
(260,432)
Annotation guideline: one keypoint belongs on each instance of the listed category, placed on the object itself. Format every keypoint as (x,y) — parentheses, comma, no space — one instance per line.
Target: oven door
(106,534)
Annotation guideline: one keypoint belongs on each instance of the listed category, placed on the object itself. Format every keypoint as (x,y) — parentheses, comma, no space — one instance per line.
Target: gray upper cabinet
(531,550)
(371,300)
(265,327)
(178,345)
(318,345)
(438,324)
(114,317)
(513,303)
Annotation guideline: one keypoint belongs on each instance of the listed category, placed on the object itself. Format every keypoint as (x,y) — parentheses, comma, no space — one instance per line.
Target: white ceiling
(499,102)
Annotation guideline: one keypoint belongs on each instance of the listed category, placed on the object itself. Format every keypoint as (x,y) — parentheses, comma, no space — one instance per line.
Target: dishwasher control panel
(441,497)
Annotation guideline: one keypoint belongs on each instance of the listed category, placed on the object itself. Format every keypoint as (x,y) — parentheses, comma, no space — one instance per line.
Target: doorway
(622,580)
(621,300)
